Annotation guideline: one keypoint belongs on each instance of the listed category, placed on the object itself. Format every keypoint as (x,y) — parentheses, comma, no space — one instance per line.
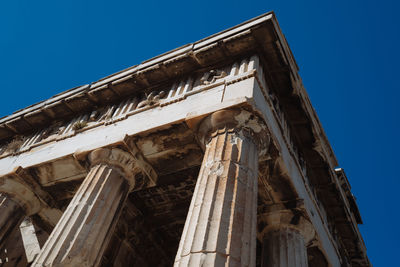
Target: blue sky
(348,53)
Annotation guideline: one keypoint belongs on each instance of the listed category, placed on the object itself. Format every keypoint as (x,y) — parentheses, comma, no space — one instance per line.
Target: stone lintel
(237,40)
(257,34)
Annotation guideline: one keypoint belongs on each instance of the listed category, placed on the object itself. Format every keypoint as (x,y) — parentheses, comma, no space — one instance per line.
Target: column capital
(118,159)
(15,189)
(277,219)
(21,187)
(242,121)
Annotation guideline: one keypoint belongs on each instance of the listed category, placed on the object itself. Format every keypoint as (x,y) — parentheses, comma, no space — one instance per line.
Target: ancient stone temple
(208,155)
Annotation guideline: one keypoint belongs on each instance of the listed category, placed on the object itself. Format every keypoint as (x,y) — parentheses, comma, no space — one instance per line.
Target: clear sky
(348,53)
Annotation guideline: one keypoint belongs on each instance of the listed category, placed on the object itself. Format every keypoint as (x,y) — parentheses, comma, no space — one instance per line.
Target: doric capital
(286,218)
(16,190)
(118,159)
(21,188)
(238,120)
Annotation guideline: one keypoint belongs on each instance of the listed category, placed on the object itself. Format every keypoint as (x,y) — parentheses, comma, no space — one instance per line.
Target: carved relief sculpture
(210,155)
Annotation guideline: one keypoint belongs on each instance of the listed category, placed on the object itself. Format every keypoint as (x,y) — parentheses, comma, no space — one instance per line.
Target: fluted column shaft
(220,228)
(284,247)
(11,214)
(82,234)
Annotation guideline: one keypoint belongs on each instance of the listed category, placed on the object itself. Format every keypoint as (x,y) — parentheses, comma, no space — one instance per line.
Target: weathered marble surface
(220,228)
(152,111)
(11,214)
(29,239)
(284,247)
(83,232)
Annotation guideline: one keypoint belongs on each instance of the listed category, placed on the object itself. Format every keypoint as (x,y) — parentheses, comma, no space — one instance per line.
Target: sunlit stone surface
(208,155)
(220,229)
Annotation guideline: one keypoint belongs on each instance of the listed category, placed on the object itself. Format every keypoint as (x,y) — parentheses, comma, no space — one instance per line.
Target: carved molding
(278,216)
(152,99)
(211,76)
(118,158)
(239,120)
(138,103)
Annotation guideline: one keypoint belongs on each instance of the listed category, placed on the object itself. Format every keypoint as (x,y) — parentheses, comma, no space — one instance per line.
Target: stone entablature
(174,93)
(110,114)
(224,46)
(179,91)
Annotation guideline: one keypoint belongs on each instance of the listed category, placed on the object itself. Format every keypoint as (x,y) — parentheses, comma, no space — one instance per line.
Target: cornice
(230,43)
(261,36)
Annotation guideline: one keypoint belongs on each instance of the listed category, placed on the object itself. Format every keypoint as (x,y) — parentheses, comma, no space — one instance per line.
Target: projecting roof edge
(41,104)
(192,57)
(145,64)
(19,122)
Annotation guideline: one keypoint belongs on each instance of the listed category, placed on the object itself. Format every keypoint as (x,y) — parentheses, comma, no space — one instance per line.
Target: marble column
(284,238)
(11,214)
(29,239)
(220,228)
(82,234)
(284,247)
